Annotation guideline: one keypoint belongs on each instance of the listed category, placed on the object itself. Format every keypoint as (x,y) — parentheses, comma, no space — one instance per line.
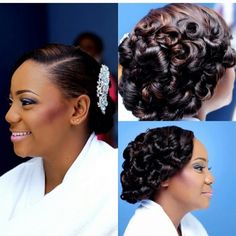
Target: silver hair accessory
(126,35)
(102,88)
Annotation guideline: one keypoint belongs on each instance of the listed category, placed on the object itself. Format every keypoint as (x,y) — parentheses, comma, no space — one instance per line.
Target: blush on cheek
(180,186)
(51,114)
(185,178)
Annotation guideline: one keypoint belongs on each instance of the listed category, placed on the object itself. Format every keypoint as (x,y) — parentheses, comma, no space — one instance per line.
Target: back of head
(75,73)
(152,158)
(172,61)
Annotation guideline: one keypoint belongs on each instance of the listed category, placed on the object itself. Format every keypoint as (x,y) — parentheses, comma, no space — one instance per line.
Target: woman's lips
(208,194)
(19,135)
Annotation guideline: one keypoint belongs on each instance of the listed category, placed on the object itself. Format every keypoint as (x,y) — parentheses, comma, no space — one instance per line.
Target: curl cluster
(152,158)
(173,60)
(75,73)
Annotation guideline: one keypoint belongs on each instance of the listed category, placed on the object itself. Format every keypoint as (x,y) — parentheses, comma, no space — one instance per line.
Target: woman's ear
(165,184)
(81,106)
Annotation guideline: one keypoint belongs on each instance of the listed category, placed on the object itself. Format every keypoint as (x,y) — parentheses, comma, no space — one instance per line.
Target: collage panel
(26,27)
(176,61)
(157,174)
(59,160)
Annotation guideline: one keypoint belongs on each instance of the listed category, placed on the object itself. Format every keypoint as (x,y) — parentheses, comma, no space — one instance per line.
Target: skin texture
(57,125)
(188,190)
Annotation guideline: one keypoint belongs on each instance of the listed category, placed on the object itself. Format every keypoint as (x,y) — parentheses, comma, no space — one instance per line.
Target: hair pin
(102,88)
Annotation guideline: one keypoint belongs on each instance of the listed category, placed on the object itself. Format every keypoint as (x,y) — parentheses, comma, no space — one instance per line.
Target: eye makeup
(24,101)
(27,101)
(199,167)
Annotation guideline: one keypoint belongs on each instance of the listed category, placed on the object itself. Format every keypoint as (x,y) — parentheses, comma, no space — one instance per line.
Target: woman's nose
(12,115)
(210,178)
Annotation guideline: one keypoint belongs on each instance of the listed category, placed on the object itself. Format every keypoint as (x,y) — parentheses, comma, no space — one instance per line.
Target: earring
(75,121)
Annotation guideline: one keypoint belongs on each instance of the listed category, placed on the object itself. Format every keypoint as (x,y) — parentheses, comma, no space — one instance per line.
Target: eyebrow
(201,158)
(18,92)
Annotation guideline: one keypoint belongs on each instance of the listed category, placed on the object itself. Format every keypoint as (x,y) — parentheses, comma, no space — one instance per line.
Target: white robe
(84,204)
(150,219)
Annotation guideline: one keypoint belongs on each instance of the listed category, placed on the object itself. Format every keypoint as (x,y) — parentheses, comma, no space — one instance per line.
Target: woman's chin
(21,153)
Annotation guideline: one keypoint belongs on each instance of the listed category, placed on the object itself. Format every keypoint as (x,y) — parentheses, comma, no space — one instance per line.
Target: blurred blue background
(129,14)
(219,140)
(28,26)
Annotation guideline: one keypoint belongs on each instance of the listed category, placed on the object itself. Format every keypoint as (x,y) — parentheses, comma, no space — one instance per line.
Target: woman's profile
(166,170)
(58,101)
(177,63)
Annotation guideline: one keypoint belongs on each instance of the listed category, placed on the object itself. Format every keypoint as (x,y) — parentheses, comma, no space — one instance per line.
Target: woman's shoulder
(20,171)
(149,218)
(106,150)
(100,158)
(192,226)
(14,181)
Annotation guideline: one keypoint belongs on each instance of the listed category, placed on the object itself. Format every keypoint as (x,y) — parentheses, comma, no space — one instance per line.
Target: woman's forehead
(199,150)
(31,76)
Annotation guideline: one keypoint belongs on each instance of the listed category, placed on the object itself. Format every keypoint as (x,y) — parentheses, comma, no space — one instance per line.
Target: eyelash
(27,101)
(200,168)
(24,101)
(10,101)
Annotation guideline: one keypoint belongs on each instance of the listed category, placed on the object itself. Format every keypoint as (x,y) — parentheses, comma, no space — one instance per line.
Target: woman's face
(39,114)
(191,187)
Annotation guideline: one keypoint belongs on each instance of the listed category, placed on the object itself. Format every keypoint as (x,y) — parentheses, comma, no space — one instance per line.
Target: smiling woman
(38,114)
(58,101)
(167,170)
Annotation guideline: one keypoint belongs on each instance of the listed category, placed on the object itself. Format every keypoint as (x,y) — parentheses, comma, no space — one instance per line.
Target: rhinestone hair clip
(102,88)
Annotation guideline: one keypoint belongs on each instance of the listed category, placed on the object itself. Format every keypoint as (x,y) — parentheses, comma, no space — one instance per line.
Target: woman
(177,64)
(58,102)
(166,169)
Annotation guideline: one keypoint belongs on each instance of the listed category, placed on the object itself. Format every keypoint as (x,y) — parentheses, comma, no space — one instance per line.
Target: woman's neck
(58,162)
(202,113)
(172,208)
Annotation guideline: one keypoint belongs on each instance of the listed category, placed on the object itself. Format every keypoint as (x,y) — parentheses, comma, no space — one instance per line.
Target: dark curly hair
(152,158)
(75,73)
(172,61)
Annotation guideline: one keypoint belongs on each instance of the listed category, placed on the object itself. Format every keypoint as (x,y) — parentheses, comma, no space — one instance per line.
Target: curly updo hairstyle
(172,61)
(75,73)
(152,158)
